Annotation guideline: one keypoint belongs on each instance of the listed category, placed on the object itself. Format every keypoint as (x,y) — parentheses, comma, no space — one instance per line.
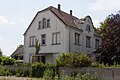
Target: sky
(16,15)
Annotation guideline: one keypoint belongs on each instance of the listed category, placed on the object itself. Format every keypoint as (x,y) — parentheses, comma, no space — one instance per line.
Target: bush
(7,61)
(38,69)
(74,59)
(0,60)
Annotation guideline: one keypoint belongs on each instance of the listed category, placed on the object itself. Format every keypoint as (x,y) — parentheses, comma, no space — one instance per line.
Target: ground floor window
(38,58)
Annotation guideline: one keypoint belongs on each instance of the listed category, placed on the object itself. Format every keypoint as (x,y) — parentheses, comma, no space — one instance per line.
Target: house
(58,32)
(18,53)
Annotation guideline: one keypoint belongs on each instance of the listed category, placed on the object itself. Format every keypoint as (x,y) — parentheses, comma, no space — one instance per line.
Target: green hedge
(6,61)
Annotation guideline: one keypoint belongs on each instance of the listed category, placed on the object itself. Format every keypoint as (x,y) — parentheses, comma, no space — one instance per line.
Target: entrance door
(43,59)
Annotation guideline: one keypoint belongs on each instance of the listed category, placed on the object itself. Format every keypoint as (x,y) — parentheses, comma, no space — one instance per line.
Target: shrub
(38,69)
(7,61)
(0,60)
(74,59)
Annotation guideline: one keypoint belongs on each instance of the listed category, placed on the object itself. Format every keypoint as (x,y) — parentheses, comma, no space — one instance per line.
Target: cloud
(103,5)
(96,23)
(22,20)
(1,38)
(4,21)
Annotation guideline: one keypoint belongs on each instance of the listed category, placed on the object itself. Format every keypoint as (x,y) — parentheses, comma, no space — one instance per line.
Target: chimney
(71,12)
(58,6)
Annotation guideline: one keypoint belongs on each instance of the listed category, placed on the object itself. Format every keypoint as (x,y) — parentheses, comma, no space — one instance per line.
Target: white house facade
(58,32)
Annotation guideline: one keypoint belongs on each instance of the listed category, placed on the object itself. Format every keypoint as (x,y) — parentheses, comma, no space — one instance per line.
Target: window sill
(43,45)
(43,28)
(56,44)
(88,46)
(31,46)
(77,44)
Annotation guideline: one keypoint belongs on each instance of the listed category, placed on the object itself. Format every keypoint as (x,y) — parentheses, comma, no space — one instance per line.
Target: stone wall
(103,73)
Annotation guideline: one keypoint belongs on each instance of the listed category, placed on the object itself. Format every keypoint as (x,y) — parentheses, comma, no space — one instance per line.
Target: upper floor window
(48,22)
(43,39)
(32,41)
(43,23)
(39,25)
(77,39)
(88,41)
(88,27)
(96,43)
(56,38)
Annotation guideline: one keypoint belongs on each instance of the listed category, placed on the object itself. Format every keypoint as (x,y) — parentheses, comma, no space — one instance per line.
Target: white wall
(56,26)
(83,34)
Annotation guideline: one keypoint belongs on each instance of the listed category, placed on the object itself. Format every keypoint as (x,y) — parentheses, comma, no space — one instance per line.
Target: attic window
(43,23)
(88,27)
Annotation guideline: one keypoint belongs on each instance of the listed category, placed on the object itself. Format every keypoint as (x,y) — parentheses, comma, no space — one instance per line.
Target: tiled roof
(66,18)
(18,51)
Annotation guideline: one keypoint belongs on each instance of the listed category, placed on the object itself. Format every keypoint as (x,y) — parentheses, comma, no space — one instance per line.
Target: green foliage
(74,59)
(0,60)
(7,61)
(0,52)
(109,51)
(38,69)
(37,46)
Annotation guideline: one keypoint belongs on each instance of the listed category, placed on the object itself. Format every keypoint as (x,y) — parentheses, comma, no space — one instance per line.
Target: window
(88,41)
(39,25)
(43,39)
(56,38)
(32,41)
(96,43)
(43,23)
(48,22)
(88,27)
(77,39)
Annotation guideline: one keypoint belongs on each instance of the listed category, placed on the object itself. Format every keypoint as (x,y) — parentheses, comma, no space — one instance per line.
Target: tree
(37,46)
(0,52)
(109,51)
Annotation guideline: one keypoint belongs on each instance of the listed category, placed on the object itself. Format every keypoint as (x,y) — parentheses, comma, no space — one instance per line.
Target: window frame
(43,39)
(32,41)
(44,23)
(56,36)
(39,25)
(97,41)
(48,22)
(88,41)
(77,39)
(88,27)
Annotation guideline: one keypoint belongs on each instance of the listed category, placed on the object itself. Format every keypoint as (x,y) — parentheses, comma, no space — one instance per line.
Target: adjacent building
(18,53)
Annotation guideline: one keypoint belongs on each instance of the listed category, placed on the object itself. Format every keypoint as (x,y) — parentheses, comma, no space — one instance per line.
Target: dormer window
(43,23)
(88,27)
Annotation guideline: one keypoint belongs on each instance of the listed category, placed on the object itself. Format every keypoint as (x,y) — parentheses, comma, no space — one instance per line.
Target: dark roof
(18,51)
(67,19)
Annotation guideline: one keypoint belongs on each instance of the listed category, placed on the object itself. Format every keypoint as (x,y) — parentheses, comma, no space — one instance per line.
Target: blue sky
(16,15)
